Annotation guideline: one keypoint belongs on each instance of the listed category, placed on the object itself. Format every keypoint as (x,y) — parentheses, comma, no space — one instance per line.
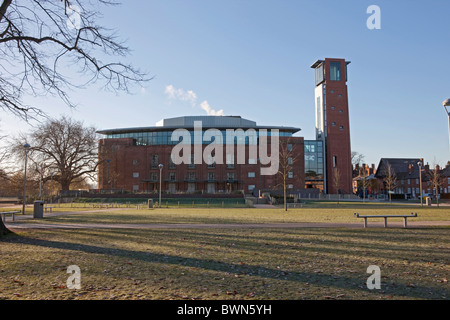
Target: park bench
(3,214)
(405,217)
(48,208)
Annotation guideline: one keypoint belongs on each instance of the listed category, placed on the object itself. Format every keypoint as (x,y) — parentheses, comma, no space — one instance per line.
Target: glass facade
(164,137)
(314,164)
(335,71)
(319,75)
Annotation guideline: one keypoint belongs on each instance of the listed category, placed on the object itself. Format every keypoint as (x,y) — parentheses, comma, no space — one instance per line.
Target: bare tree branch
(40,44)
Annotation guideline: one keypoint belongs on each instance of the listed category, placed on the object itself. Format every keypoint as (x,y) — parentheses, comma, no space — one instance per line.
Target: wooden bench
(9,212)
(405,217)
(48,208)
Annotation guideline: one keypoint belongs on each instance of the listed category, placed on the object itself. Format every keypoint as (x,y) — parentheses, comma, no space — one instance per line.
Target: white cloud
(190,96)
(211,112)
(181,94)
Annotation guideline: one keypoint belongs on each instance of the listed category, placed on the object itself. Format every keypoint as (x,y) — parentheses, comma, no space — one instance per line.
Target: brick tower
(333,124)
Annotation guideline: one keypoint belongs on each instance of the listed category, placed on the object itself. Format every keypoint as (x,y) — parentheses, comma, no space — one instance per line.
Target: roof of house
(404,168)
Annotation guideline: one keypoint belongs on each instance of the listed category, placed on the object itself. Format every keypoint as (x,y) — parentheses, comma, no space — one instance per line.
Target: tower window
(335,71)
(341,128)
(334,161)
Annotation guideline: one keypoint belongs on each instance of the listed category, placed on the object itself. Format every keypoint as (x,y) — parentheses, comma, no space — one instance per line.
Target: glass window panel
(335,71)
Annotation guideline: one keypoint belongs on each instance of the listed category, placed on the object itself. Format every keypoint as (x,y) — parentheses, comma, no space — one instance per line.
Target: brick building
(130,157)
(333,124)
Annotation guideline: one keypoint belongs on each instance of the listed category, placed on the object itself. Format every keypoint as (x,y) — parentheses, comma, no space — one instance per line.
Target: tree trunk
(285,200)
(3,228)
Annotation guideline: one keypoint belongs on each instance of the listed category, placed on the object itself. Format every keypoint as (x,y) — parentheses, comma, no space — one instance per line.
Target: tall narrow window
(335,71)
(334,161)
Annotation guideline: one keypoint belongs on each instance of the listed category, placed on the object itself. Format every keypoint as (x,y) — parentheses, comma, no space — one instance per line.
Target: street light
(446,104)
(420,180)
(160,182)
(26,146)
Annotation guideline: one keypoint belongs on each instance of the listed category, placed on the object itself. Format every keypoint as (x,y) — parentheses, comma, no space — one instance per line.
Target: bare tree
(287,159)
(337,182)
(364,183)
(436,180)
(64,145)
(39,39)
(357,158)
(390,180)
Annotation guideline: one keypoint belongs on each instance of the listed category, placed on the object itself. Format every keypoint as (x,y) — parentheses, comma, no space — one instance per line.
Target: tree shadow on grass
(356,283)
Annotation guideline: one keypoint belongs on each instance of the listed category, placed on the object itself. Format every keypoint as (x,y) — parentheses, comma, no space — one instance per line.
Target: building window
(154,176)
(155,161)
(341,128)
(319,74)
(191,165)
(135,187)
(335,71)
(290,161)
(290,186)
(135,174)
(230,176)
(135,162)
(333,124)
(172,176)
(290,174)
(211,176)
(251,161)
(251,174)
(230,161)
(211,163)
(191,176)
(251,187)
(171,164)
(340,111)
(290,147)
(334,161)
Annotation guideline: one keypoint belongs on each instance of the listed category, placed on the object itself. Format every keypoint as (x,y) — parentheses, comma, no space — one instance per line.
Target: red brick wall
(127,158)
(338,135)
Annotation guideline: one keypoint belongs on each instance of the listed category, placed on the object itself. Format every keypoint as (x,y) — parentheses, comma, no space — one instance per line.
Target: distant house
(446,180)
(407,176)
(364,180)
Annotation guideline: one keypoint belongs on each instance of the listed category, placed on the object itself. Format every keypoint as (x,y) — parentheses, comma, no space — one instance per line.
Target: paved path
(19,224)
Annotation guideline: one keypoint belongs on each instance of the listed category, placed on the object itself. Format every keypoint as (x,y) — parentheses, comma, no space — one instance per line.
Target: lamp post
(26,146)
(420,181)
(446,104)
(160,182)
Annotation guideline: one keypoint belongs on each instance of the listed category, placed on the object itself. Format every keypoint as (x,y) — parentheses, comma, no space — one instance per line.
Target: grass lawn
(240,263)
(328,213)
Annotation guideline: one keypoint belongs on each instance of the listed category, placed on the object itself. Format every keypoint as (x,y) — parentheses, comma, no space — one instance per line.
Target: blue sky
(252,58)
